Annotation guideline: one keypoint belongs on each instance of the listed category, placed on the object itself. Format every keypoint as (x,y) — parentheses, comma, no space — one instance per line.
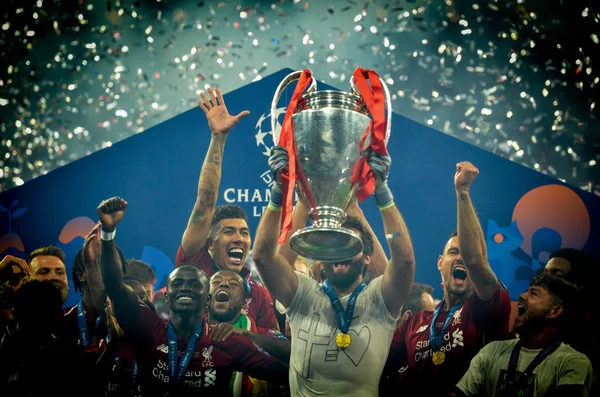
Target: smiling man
(176,356)
(439,345)
(219,238)
(538,363)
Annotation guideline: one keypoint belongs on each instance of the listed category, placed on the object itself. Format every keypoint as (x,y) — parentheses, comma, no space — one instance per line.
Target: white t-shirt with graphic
(317,365)
(564,366)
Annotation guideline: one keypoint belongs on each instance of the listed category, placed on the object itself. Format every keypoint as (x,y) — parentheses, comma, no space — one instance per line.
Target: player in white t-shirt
(341,330)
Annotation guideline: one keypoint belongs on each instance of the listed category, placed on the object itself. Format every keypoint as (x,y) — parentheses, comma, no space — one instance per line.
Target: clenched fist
(111,212)
(464,177)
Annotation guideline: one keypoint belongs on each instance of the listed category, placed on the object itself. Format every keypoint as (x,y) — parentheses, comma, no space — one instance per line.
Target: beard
(224,316)
(344,280)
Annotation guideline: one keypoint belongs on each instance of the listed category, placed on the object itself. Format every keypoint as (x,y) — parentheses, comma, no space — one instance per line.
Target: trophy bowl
(328,128)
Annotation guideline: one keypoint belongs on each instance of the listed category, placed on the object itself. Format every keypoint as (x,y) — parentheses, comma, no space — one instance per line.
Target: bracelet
(107,236)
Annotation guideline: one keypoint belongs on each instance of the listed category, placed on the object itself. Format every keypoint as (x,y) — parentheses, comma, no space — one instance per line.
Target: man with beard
(226,316)
(341,331)
(538,363)
(176,356)
(439,345)
(219,238)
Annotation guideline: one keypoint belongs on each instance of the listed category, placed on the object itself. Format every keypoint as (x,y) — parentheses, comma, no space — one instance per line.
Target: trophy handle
(388,102)
(290,78)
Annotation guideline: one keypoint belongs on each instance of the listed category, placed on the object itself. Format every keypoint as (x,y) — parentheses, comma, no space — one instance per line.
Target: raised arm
(379,260)
(274,269)
(124,301)
(90,255)
(299,217)
(220,123)
(399,274)
(471,241)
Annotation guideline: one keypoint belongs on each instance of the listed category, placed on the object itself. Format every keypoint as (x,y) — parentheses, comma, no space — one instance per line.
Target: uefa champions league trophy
(328,127)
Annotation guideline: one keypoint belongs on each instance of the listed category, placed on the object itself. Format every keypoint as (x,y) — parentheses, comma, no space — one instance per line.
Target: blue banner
(525,215)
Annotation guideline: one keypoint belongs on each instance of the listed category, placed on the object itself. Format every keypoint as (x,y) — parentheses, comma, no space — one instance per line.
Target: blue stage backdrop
(525,215)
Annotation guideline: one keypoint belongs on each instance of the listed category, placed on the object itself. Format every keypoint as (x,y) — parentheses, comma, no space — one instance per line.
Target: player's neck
(341,292)
(232,321)
(540,338)
(452,299)
(185,324)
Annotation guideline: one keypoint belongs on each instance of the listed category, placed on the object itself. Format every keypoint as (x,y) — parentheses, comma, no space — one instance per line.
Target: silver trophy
(328,127)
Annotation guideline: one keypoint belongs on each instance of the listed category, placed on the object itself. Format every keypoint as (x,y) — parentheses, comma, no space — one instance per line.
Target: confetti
(513,78)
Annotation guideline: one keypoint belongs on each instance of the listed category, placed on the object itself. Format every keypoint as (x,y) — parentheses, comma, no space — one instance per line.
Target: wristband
(107,236)
(276,196)
(385,207)
(273,207)
(383,196)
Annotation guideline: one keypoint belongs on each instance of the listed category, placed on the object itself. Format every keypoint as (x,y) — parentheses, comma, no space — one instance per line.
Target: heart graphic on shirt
(359,345)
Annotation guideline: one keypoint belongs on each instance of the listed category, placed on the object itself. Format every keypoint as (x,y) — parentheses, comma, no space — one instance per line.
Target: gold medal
(343,340)
(438,357)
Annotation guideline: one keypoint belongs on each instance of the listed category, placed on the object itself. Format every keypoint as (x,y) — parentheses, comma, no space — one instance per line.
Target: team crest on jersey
(207,355)
(456,318)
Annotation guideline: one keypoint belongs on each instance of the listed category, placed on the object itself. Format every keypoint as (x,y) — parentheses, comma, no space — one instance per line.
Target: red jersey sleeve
(265,311)
(494,315)
(249,358)
(148,329)
(200,258)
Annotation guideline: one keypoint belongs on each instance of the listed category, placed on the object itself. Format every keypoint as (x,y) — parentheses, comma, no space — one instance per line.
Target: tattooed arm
(220,123)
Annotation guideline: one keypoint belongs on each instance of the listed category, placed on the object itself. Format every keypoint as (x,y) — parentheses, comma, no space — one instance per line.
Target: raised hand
(111,212)
(278,162)
(92,245)
(219,119)
(464,177)
(380,166)
(13,271)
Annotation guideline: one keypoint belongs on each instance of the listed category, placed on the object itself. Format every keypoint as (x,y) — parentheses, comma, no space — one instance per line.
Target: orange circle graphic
(554,207)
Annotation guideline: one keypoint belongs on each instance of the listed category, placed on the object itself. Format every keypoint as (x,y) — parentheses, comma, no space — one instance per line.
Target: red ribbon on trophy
(294,174)
(372,93)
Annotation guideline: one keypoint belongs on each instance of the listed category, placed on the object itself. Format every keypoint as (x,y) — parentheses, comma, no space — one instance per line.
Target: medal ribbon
(436,341)
(512,377)
(175,371)
(344,317)
(84,336)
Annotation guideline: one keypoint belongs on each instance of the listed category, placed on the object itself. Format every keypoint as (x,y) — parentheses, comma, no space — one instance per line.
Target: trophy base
(326,244)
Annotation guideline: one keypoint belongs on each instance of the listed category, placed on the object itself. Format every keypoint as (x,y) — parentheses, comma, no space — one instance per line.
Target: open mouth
(222,296)
(521,309)
(459,273)
(236,255)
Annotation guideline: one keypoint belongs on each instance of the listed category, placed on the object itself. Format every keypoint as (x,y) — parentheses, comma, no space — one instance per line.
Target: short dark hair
(138,270)
(565,294)
(414,300)
(353,222)
(227,211)
(584,269)
(50,250)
